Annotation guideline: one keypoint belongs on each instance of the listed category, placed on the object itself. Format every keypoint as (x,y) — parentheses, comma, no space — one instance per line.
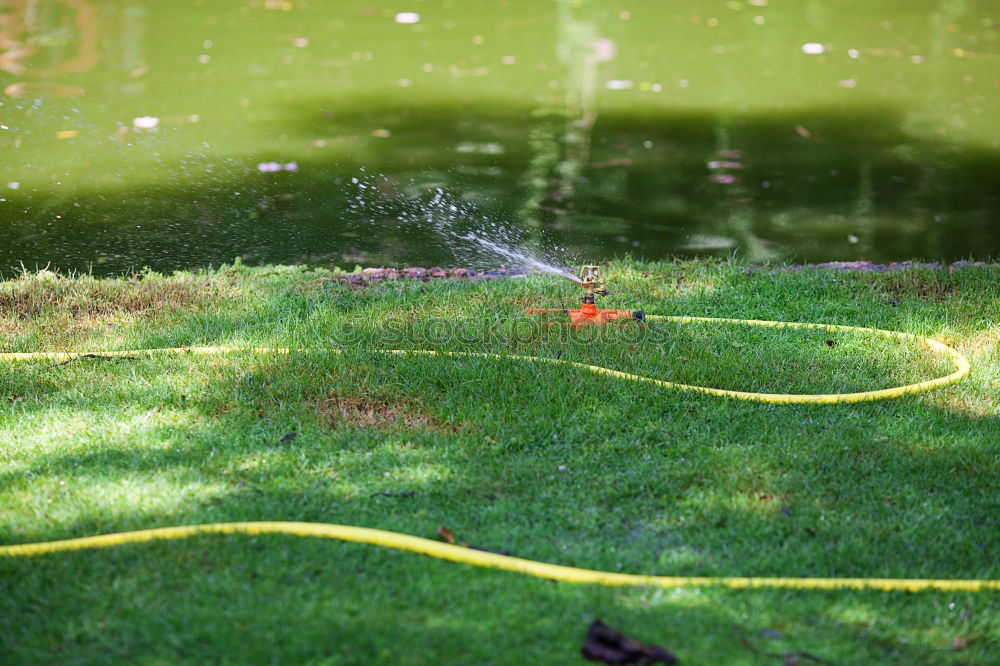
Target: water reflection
(144,133)
(561,142)
(48,38)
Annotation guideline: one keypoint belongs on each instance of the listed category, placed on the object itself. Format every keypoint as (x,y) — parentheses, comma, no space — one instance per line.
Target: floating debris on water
(482,148)
(270,167)
(407,17)
(145,122)
(619,84)
(42,90)
(709,242)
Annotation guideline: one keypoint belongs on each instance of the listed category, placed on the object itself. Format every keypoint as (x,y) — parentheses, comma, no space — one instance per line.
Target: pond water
(186,133)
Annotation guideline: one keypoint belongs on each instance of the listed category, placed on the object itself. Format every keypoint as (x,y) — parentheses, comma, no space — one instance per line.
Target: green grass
(547,462)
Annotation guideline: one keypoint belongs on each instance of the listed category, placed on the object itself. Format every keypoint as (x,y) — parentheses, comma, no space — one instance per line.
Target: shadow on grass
(716,506)
(820,484)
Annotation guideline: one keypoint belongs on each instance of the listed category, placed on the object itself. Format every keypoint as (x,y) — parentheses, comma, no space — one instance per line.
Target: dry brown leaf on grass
(604,644)
(445,535)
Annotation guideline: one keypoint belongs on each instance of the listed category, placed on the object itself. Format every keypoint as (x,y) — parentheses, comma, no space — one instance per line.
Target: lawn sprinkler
(589,314)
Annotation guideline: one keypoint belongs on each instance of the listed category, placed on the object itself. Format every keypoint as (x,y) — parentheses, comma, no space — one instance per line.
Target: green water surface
(186,133)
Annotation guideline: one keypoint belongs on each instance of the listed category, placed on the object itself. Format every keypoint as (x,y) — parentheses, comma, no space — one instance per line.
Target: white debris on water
(407,17)
(490,148)
(813,48)
(709,242)
(270,167)
(145,122)
(619,84)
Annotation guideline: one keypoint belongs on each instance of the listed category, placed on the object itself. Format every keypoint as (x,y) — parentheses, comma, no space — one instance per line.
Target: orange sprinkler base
(589,314)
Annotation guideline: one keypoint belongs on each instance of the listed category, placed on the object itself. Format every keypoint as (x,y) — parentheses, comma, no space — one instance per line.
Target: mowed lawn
(546,462)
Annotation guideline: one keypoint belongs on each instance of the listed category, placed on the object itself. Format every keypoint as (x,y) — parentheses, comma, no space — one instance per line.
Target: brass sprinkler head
(593,283)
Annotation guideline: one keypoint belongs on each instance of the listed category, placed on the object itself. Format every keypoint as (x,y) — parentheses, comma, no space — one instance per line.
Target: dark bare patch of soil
(379,412)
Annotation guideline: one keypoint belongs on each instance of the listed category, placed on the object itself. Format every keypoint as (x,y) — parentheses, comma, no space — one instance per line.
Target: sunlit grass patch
(984,344)
(381,412)
(921,284)
(32,294)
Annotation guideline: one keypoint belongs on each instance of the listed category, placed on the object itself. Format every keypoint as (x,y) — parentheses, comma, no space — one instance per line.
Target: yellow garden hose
(962,367)
(479,558)
(539,569)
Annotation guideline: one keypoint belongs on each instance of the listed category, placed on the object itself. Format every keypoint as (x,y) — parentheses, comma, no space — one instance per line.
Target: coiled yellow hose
(539,569)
